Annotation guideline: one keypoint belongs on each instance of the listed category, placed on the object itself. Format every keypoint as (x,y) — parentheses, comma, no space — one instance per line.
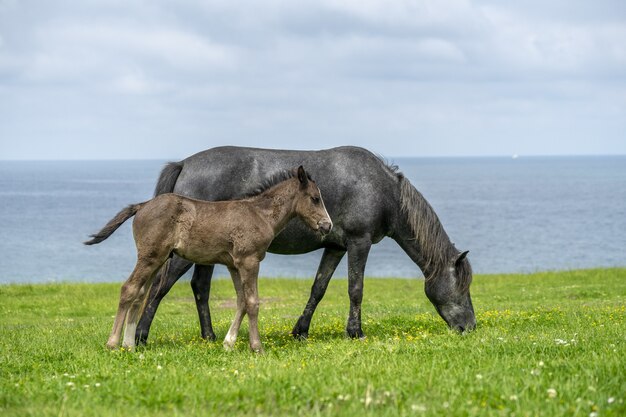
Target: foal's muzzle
(325,227)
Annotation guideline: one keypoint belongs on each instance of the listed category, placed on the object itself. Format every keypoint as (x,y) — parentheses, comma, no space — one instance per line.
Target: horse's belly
(204,256)
(297,239)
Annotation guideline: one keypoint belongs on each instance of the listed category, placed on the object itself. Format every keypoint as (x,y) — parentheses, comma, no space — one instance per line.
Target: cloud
(118,51)
(452,76)
(557,47)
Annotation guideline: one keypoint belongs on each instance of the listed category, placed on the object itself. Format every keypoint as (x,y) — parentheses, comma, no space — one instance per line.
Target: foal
(234,233)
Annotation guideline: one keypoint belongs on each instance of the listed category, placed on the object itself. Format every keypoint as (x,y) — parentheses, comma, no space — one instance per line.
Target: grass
(547,344)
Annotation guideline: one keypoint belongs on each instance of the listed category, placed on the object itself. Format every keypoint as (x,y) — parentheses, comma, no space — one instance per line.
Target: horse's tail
(114,223)
(167,178)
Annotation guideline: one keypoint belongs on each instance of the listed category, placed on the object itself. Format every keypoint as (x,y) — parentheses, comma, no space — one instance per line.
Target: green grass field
(548,344)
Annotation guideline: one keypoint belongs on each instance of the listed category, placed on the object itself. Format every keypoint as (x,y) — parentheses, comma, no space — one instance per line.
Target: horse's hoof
(141,337)
(300,336)
(355,334)
(210,338)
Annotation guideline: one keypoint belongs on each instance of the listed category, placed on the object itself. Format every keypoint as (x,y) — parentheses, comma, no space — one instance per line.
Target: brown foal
(234,233)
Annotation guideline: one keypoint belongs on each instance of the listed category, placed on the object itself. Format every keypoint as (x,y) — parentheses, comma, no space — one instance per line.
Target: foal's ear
(460,258)
(302,176)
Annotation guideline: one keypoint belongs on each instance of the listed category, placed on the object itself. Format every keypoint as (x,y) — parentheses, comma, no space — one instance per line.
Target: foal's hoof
(257,349)
(111,346)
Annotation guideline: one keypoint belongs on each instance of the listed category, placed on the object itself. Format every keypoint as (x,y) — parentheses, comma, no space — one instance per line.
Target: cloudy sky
(102,79)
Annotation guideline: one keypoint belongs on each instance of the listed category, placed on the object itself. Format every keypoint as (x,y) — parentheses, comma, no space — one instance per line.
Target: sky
(109,79)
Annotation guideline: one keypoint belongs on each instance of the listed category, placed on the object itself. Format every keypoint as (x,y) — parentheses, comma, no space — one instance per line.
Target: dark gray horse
(366,199)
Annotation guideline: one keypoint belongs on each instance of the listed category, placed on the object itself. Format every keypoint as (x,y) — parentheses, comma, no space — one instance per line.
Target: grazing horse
(234,233)
(367,199)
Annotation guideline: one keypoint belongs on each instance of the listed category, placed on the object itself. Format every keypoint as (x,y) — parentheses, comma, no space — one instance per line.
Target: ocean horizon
(514,215)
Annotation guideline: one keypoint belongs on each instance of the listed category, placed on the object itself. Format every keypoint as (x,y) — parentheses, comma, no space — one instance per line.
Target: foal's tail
(114,223)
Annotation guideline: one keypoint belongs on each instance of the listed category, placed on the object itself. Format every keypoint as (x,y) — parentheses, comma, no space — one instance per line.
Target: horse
(368,200)
(234,233)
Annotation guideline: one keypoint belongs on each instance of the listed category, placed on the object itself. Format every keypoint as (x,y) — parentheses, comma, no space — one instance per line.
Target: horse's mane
(273,180)
(428,231)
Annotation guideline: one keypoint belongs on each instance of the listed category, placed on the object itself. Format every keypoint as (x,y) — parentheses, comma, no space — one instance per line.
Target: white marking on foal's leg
(231,336)
(129,335)
(229,341)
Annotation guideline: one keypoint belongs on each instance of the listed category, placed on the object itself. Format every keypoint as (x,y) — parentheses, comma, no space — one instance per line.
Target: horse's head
(310,206)
(448,290)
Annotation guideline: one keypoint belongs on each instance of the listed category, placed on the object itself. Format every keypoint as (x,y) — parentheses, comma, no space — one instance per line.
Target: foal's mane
(433,241)
(273,180)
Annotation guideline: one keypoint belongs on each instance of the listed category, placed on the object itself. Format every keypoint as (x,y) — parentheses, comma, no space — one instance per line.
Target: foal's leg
(134,313)
(129,294)
(249,284)
(326,269)
(358,250)
(231,336)
(162,284)
(201,286)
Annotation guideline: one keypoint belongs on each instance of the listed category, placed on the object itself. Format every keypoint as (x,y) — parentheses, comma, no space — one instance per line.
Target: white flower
(611,400)
(70,384)
(541,364)
(479,376)
(593,414)
(551,393)
(513,397)
(418,407)
(97,384)
(159,367)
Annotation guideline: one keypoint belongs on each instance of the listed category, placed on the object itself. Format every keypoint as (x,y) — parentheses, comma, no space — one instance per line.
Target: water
(514,215)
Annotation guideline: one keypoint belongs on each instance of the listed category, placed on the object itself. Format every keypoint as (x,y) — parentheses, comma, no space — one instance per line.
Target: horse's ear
(302,176)
(460,258)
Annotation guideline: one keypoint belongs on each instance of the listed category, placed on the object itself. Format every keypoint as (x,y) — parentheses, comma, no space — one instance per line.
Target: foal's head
(310,206)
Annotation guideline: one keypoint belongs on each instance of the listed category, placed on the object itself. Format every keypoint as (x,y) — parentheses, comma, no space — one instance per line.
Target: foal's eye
(316,200)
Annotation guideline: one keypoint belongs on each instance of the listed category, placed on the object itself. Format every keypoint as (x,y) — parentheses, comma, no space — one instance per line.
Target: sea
(514,215)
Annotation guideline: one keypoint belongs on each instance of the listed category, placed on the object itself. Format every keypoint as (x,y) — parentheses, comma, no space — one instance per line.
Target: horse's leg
(328,264)
(128,295)
(358,250)
(201,286)
(231,336)
(162,285)
(249,283)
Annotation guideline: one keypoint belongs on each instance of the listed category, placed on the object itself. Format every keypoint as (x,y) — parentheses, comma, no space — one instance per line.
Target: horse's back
(230,172)
(357,186)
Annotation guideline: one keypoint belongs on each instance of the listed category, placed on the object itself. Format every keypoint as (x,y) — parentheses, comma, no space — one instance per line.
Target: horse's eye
(316,200)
